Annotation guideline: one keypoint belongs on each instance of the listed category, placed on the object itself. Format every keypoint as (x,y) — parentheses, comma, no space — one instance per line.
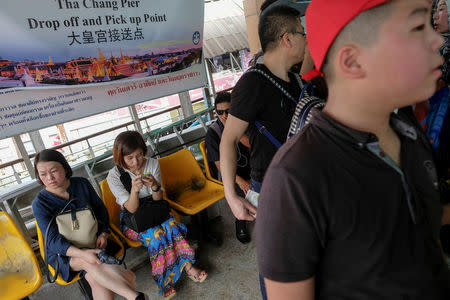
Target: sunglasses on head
(221,112)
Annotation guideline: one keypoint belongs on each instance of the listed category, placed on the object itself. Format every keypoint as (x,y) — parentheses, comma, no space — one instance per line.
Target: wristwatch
(157,189)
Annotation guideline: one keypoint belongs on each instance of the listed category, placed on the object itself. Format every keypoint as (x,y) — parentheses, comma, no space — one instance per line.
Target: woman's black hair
(51,155)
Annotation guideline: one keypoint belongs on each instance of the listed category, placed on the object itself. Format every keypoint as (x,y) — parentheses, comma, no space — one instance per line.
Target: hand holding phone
(145,174)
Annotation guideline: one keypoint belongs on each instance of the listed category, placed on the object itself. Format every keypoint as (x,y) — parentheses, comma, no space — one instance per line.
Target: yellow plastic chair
(20,274)
(59,280)
(114,213)
(180,172)
(206,163)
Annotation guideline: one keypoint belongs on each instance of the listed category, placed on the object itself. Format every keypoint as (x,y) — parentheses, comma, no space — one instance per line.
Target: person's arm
(154,180)
(243,184)
(300,290)
(151,182)
(56,242)
(132,204)
(234,130)
(88,255)
(446,215)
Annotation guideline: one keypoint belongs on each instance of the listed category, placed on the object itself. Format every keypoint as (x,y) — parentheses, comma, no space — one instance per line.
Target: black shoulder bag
(150,212)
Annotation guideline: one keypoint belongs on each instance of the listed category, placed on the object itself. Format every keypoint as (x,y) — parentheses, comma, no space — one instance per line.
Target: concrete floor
(232,269)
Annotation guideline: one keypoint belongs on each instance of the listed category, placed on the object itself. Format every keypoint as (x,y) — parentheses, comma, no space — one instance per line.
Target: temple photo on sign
(94,69)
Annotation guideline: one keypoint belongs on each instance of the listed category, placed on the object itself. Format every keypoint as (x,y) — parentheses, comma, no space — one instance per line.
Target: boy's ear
(349,62)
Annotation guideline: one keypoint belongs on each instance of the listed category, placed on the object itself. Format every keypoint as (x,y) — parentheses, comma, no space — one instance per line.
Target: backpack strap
(262,129)
(125,178)
(275,83)
(215,126)
(267,133)
(302,114)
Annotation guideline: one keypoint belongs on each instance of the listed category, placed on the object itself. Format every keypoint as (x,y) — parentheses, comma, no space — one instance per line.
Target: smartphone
(145,174)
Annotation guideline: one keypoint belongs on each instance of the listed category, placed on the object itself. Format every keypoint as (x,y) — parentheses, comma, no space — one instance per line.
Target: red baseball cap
(324,20)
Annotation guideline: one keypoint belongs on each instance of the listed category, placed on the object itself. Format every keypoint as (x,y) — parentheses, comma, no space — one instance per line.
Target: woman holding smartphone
(134,178)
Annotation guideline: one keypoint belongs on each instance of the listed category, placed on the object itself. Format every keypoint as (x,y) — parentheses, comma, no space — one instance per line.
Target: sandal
(199,277)
(169,292)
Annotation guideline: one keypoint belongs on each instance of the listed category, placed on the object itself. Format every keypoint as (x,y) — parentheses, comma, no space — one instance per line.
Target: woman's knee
(77,264)
(91,279)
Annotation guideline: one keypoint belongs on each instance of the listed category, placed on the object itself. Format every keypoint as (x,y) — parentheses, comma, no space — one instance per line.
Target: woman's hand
(136,184)
(149,180)
(102,241)
(90,256)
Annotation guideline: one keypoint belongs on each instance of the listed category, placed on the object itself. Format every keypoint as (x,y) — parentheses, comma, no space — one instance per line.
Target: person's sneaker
(241,232)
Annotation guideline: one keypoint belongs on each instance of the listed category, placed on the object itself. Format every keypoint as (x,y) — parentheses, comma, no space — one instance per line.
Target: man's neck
(352,112)
(277,64)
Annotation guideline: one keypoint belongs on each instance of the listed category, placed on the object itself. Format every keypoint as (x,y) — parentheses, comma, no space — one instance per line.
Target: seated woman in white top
(135,181)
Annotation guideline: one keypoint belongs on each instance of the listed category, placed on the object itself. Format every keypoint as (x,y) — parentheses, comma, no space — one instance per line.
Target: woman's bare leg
(107,276)
(99,292)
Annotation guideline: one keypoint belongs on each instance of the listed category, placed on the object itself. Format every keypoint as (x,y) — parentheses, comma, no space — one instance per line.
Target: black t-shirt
(330,207)
(255,98)
(212,143)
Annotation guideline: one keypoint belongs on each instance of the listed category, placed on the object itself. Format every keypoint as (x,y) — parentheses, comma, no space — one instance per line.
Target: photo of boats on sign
(97,68)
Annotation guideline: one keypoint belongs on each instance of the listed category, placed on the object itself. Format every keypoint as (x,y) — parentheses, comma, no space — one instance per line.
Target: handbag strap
(49,278)
(125,178)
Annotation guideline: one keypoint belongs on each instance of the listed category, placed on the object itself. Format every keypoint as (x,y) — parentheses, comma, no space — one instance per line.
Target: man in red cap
(349,208)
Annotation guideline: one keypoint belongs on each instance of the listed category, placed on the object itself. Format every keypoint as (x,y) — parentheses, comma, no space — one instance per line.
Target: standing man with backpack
(266,94)
(263,103)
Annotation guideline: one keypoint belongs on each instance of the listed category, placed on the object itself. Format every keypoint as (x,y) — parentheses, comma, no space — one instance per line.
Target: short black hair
(274,22)
(51,155)
(222,97)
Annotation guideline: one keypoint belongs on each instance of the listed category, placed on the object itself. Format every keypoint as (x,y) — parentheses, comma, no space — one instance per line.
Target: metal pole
(37,141)
(135,118)
(186,104)
(24,155)
(212,88)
